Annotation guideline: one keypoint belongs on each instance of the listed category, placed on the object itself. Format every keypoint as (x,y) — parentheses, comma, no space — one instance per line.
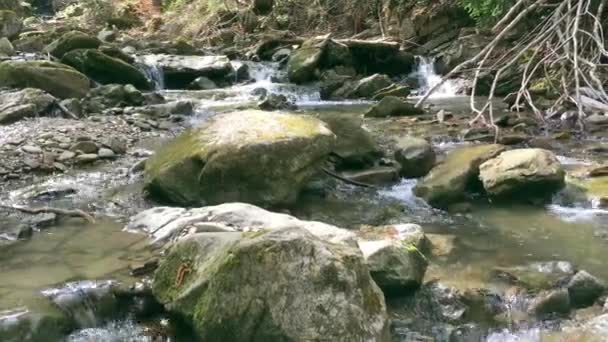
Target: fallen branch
(43,210)
(346,180)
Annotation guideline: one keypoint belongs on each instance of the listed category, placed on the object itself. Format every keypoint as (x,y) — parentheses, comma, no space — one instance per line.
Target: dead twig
(43,210)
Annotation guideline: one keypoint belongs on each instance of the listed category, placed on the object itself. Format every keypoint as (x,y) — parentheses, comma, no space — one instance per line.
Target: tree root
(42,210)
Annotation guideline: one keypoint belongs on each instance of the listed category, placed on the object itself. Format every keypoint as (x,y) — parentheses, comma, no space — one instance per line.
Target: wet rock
(106,153)
(115,52)
(522,173)
(441,245)
(394,257)
(183,171)
(86,158)
(585,289)
(202,83)
(34,324)
(449,181)
(536,276)
(551,302)
(71,41)
(57,79)
(6,48)
(304,62)
(368,87)
(166,224)
(262,276)
(85,146)
(16,105)
(355,147)
(180,71)
(478,134)
(163,110)
(10,24)
(436,302)
(276,102)
(105,69)
(378,175)
(41,220)
(392,106)
(416,156)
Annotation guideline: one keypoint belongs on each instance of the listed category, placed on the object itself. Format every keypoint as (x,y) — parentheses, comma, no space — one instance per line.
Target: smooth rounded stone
(416,156)
(31,149)
(369,86)
(105,69)
(378,175)
(70,41)
(550,302)
(585,289)
(394,257)
(86,158)
(117,145)
(202,83)
(6,48)
(10,24)
(536,276)
(524,173)
(449,181)
(304,61)
(392,106)
(16,105)
(85,146)
(240,290)
(106,153)
(57,79)
(250,156)
(165,224)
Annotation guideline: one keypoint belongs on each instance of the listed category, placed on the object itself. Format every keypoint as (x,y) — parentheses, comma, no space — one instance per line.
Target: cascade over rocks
(449,181)
(523,173)
(58,79)
(18,104)
(236,290)
(105,69)
(180,71)
(250,156)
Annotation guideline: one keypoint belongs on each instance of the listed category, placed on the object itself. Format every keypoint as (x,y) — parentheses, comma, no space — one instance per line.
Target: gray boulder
(303,63)
(416,156)
(16,105)
(240,289)
(368,87)
(72,40)
(250,156)
(524,173)
(10,24)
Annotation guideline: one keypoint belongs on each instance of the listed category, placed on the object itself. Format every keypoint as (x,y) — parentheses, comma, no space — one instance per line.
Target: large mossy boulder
(10,24)
(16,105)
(524,173)
(284,285)
(393,106)
(449,181)
(57,79)
(72,40)
(250,156)
(304,62)
(105,69)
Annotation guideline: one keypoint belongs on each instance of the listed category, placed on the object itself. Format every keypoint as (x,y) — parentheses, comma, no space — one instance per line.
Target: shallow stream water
(486,237)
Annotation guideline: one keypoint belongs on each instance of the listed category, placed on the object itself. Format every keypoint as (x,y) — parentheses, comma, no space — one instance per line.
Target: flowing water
(486,237)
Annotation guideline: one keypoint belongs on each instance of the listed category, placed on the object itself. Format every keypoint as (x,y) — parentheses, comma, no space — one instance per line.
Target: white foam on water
(577,213)
(532,335)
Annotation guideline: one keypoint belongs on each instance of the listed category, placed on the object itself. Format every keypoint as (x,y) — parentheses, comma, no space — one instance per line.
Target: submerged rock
(16,105)
(237,291)
(449,181)
(46,323)
(523,173)
(416,156)
(250,156)
(166,224)
(536,276)
(72,40)
(105,69)
(392,106)
(551,302)
(585,289)
(58,79)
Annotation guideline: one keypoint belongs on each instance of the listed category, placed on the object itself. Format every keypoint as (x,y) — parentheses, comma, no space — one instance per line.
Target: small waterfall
(147,64)
(427,77)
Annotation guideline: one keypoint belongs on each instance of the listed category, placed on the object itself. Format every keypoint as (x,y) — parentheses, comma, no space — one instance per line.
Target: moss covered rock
(10,24)
(523,173)
(304,62)
(58,79)
(71,41)
(284,285)
(105,69)
(449,181)
(250,156)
